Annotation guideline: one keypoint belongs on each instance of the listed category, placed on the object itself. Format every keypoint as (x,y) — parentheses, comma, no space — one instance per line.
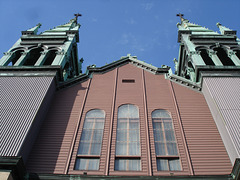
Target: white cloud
(147,6)
(131,21)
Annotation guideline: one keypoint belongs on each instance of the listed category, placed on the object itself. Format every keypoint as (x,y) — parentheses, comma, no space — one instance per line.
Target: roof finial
(77,16)
(181,16)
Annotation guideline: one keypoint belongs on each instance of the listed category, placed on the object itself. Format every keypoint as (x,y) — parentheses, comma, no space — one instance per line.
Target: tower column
(196,59)
(232,55)
(216,60)
(41,59)
(22,59)
(58,58)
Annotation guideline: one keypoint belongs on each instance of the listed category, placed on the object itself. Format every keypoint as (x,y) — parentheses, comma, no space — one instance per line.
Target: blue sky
(113,28)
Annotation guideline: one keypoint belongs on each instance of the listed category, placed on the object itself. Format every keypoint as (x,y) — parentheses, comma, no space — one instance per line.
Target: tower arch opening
(50,57)
(16,55)
(222,55)
(207,60)
(33,56)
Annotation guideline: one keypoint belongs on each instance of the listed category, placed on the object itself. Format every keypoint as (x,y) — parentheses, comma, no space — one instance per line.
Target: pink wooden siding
(51,150)
(208,154)
(159,97)
(200,147)
(99,97)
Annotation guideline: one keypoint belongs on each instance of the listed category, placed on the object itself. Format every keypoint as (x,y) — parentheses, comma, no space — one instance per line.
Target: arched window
(128,150)
(165,141)
(89,149)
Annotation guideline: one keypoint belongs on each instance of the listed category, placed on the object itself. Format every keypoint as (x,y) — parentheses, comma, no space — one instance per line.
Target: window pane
(95,149)
(97,135)
(134,165)
(128,137)
(133,125)
(169,134)
(168,125)
(172,149)
(162,165)
(121,135)
(128,165)
(123,111)
(121,148)
(83,148)
(88,125)
(133,111)
(87,164)
(160,113)
(174,165)
(157,125)
(86,135)
(120,164)
(160,148)
(93,164)
(158,135)
(81,164)
(99,125)
(134,135)
(134,148)
(95,113)
(121,124)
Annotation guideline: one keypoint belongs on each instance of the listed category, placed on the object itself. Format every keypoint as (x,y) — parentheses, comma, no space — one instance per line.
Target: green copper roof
(194,28)
(72,25)
(224,30)
(32,31)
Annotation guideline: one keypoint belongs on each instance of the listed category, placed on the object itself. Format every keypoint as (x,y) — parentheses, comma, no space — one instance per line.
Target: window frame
(165,156)
(128,157)
(90,156)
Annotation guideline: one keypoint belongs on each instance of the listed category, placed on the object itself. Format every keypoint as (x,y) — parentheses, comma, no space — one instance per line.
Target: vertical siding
(208,154)
(51,149)
(224,93)
(21,98)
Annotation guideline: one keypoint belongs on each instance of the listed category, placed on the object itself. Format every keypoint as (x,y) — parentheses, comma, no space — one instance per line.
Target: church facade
(127,119)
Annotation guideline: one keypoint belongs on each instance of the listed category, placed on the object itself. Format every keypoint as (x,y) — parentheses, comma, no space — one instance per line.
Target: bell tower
(211,61)
(53,49)
(30,73)
(203,50)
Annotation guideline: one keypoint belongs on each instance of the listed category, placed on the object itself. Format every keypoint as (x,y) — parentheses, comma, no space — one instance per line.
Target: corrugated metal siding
(208,154)
(51,150)
(225,92)
(20,98)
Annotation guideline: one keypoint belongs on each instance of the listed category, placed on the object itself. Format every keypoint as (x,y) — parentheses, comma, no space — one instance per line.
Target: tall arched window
(89,149)
(165,141)
(128,150)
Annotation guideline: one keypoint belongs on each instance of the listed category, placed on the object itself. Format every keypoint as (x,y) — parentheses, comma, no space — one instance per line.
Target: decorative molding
(8,53)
